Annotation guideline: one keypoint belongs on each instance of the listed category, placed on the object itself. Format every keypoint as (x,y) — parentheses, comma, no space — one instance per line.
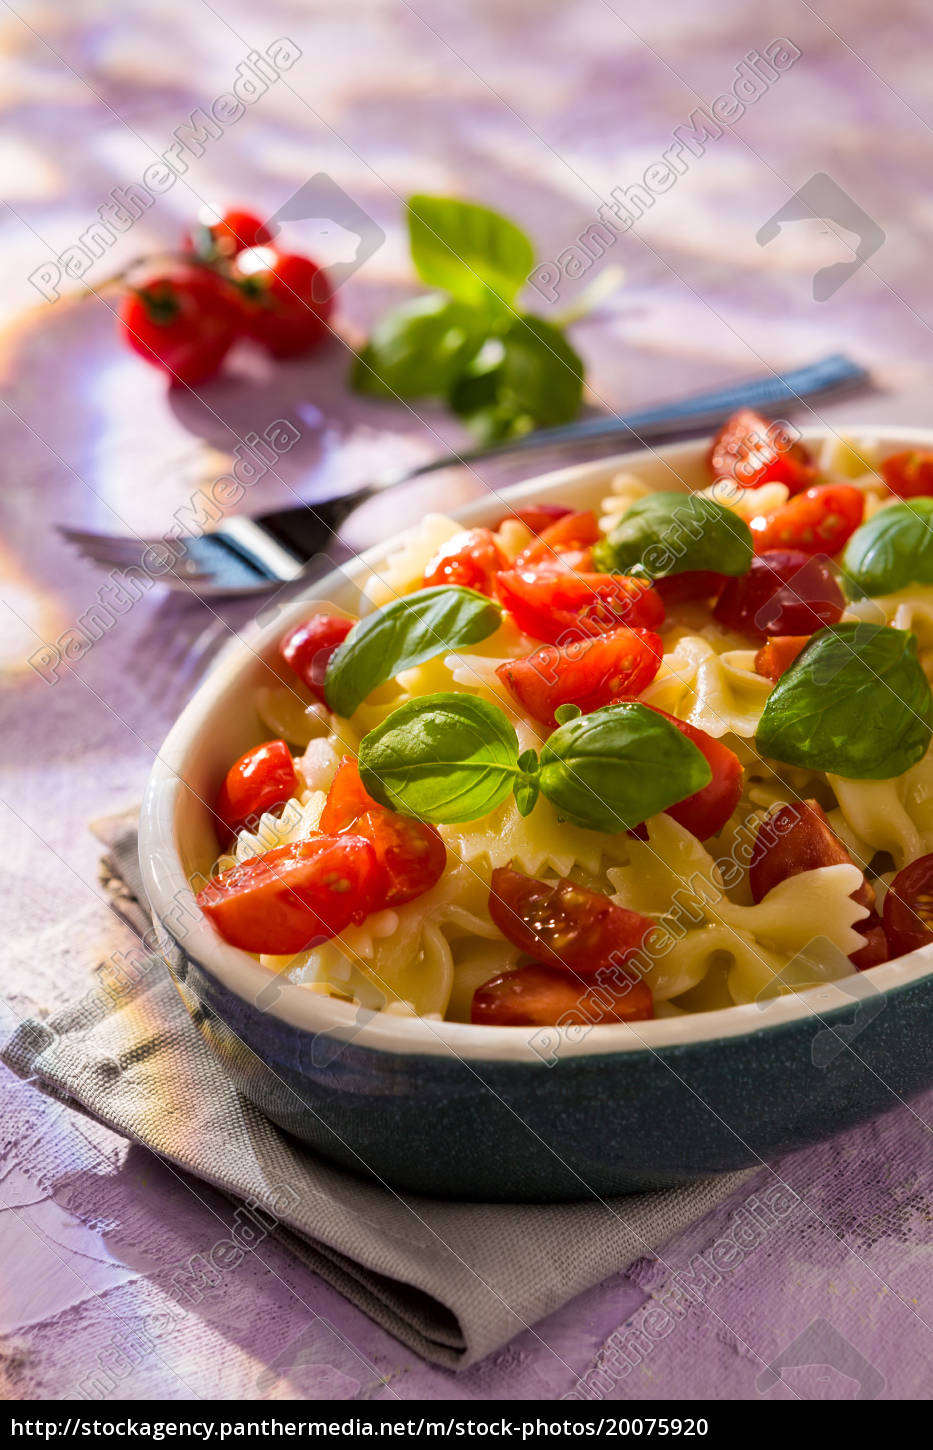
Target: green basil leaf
(527,789)
(418,349)
(668,533)
(855,703)
(614,768)
(542,375)
(402,634)
(894,549)
(444,758)
(475,254)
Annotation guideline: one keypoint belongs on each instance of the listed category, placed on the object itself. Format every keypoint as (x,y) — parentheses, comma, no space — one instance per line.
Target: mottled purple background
(539,107)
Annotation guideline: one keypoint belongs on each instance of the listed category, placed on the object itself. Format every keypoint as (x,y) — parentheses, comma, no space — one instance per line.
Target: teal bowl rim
(167,886)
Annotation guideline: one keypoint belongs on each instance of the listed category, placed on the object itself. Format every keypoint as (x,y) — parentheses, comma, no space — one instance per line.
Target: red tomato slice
(563,924)
(908,908)
(410,853)
(559,607)
(796,838)
(309,646)
(779,654)
(910,474)
(876,950)
(541,996)
(259,781)
(295,896)
(819,521)
(347,798)
(589,674)
(535,516)
(572,534)
(691,584)
(751,451)
(706,811)
(470,559)
(784,592)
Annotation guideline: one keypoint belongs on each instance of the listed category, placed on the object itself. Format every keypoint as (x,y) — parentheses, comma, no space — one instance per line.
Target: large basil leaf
(402,634)
(668,533)
(855,703)
(444,758)
(613,769)
(475,254)
(525,377)
(894,549)
(419,349)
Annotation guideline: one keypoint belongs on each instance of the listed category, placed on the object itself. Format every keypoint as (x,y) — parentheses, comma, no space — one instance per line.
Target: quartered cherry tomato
(541,996)
(589,674)
(286,301)
(182,320)
(567,540)
(784,592)
(559,606)
(535,516)
(563,924)
(691,584)
(347,799)
(706,811)
(908,908)
(751,451)
(778,654)
(818,521)
(259,781)
(798,838)
(910,474)
(295,896)
(309,646)
(411,853)
(471,559)
(221,237)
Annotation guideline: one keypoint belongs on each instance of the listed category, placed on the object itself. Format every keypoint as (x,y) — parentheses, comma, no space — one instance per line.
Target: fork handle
(299,529)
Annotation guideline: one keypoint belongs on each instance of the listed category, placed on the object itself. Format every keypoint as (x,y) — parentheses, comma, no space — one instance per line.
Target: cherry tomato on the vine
(183,319)
(221,236)
(286,300)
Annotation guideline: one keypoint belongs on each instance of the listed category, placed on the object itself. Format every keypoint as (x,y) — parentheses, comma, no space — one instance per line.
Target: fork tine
(108,548)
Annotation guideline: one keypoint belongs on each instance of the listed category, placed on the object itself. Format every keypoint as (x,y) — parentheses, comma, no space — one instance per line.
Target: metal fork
(252,555)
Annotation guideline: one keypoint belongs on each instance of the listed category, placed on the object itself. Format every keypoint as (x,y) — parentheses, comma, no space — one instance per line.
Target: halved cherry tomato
(779,654)
(908,908)
(563,924)
(910,474)
(309,646)
(559,606)
(295,896)
(691,584)
(589,674)
(535,516)
(819,521)
(707,810)
(347,799)
(471,559)
(784,592)
(541,996)
(751,451)
(410,853)
(259,781)
(799,838)
(567,540)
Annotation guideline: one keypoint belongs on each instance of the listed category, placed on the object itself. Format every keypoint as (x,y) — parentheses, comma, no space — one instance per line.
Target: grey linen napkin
(453,1281)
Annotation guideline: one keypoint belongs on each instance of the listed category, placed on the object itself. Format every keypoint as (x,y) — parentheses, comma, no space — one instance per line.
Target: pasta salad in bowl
(626,775)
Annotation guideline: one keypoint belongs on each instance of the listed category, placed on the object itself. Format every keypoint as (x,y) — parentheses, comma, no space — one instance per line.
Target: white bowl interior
(221,722)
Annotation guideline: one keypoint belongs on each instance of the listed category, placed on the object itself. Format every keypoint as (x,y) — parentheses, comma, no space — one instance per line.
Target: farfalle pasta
(664,756)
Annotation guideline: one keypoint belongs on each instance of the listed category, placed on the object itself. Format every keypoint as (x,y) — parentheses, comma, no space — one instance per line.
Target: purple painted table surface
(540,109)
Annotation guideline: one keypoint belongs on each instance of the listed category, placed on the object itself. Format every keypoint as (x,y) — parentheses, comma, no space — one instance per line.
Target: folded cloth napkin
(453,1281)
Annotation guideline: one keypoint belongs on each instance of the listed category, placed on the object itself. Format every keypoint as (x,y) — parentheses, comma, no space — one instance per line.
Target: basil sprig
(894,549)
(502,370)
(855,703)
(669,533)
(450,758)
(402,634)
